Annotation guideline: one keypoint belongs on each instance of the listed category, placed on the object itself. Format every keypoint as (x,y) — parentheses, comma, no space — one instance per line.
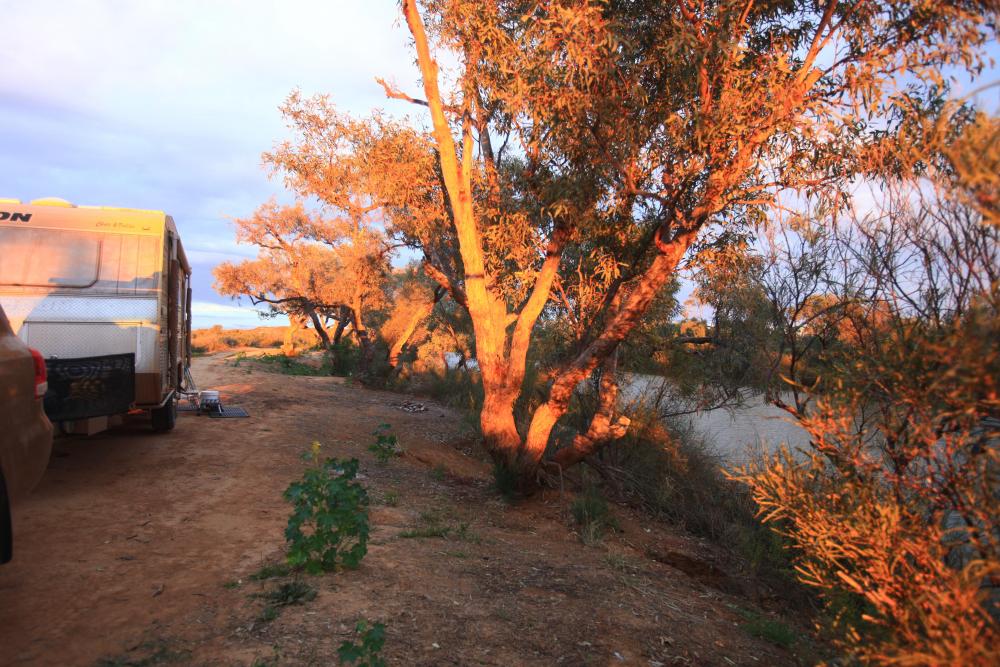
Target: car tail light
(41,378)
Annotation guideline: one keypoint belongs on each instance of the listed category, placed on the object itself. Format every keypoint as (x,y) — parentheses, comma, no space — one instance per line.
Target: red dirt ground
(137,548)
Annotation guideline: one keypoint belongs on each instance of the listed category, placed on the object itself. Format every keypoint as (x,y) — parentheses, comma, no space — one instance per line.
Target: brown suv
(25,431)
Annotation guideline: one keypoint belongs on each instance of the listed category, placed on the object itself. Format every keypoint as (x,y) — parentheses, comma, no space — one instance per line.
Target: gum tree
(309,266)
(623,138)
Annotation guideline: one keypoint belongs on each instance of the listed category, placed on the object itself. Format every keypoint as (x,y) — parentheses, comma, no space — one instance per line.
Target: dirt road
(137,548)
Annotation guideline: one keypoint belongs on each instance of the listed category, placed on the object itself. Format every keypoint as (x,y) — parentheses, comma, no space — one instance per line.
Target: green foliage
(155,652)
(434,525)
(769,629)
(439,473)
(590,512)
(432,530)
(385,446)
(279,363)
(391,498)
(271,571)
(343,358)
(329,525)
(505,481)
(268,614)
(365,653)
(289,593)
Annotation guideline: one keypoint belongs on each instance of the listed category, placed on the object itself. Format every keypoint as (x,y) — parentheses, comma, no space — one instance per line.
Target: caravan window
(48,257)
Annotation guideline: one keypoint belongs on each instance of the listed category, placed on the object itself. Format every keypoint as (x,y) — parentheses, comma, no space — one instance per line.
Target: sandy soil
(137,548)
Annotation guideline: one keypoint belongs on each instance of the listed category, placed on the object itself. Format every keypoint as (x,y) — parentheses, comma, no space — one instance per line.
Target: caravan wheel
(164,418)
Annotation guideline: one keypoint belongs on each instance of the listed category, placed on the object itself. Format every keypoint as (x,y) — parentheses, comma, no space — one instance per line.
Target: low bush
(591,513)
(217,339)
(386,444)
(287,594)
(329,526)
(291,366)
(371,639)
(663,466)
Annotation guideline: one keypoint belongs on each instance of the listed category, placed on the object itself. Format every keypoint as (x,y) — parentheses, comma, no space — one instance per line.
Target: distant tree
(288,276)
(613,141)
(310,267)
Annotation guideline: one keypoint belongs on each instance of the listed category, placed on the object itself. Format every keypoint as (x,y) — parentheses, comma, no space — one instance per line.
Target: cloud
(168,104)
(232,316)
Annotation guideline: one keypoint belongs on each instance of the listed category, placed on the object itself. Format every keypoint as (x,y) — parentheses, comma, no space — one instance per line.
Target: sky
(168,106)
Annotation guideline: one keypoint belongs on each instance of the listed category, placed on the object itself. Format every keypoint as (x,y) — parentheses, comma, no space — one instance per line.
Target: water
(735,434)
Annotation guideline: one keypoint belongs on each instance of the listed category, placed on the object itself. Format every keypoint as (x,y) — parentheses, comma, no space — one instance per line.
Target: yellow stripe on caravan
(84,218)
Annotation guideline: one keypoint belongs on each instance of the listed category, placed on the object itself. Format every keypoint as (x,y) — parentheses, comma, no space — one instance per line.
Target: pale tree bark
(416,318)
(487,311)
(502,357)
(602,428)
(296,323)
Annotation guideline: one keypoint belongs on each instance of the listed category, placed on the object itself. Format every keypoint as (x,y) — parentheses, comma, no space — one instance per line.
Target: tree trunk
(364,342)
(502,359)
(418,316)
(342,321)
(296,322)
(663,268)
(324,337)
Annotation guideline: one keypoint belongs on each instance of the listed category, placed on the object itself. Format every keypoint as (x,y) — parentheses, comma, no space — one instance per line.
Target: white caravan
(104,294)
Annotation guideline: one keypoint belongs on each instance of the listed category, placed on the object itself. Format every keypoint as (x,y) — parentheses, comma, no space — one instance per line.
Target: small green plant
(271,571)
(433,530)
(590,512)
(505,482)
(466,534)
(289,593)
(618,562)
(365,654)
(329,525)
(155,652)
(268,614)
(291,366)
(768,629)
(385,446)
(391,498)
(435,525)
(439,472)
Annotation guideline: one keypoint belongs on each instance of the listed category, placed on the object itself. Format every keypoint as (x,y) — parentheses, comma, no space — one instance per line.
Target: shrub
(663,466)
(217,339)
(365,654)
(386,444)
(590,512)
(893,506)
(289,366)
(287,594)
(329,525)
(505,482)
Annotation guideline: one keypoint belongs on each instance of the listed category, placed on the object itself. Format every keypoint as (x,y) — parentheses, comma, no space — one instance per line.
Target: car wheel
(6,524)
(164,418)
